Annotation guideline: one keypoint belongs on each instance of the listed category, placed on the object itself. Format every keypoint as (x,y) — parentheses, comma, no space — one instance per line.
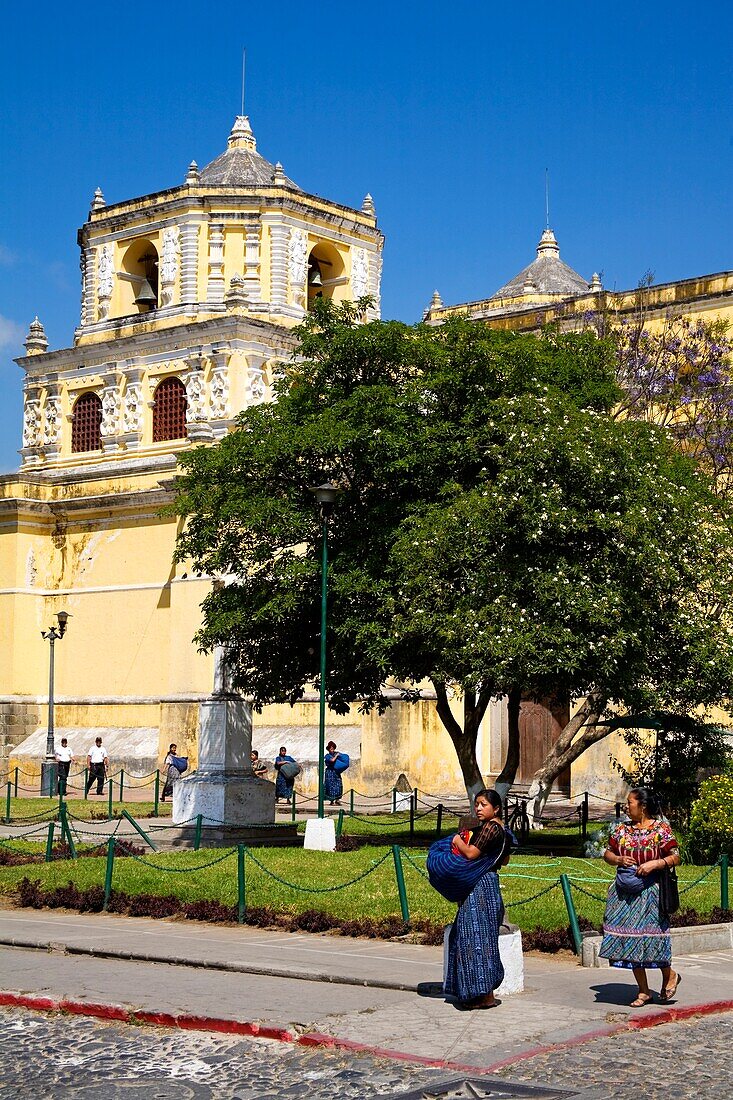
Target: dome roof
(240,165)
(545,275)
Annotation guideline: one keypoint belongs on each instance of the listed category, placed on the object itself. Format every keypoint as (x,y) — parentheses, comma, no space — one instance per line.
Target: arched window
(85,424)
(169,410)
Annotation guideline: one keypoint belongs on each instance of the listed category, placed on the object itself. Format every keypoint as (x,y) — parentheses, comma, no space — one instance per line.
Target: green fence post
(7,803)
(397,856)
(108,873)
(49,842)
(572,915)
(140,829)
(439,823)
(197,832)
(66,831)
(241,897)
(339,824)
(724,862)
(122,784)
(394,800)
(412,818)
(351,801)
(157,792)
(16,780)
(86,784)
(109,801)
(584,816)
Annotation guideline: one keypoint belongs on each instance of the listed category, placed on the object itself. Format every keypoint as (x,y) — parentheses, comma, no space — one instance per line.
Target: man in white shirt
(64,759)
(97,764)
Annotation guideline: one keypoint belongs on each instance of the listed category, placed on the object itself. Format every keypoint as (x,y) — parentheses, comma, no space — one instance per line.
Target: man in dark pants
(64,760)
(97,764)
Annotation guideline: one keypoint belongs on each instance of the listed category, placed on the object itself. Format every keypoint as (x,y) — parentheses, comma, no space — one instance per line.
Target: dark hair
(647,800)
(328,746)
(253,752)
(282,749)
(491,797)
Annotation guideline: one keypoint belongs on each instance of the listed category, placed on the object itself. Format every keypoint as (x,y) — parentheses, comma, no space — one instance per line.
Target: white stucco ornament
(110,412)
(105,278)
(298,263)
(132,414)
(52,426)
(31,424)
(169,265)
(359,273)
(195,397)
(219,395)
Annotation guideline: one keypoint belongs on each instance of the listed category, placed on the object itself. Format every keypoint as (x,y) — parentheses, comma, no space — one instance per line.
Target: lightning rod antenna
(244,57)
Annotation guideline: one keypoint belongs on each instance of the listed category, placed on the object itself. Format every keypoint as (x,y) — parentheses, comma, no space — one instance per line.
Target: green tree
(499,533)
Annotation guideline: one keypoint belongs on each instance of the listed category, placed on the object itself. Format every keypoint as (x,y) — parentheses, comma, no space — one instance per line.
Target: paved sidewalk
(307,985)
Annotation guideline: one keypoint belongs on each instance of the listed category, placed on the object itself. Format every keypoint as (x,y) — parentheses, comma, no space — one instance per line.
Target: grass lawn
(32,811)
(205,875)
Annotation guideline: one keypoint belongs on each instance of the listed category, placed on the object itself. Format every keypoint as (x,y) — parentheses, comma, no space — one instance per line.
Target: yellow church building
(189,298)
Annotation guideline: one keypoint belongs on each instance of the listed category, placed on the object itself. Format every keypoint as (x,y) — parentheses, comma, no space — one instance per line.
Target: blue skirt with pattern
(333,786)
(474,964)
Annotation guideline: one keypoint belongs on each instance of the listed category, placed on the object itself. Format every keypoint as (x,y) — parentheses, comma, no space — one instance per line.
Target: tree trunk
(464,739)
(508,773)
(565,750)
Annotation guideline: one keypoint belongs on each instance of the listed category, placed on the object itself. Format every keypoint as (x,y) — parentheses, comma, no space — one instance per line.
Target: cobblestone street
(52,1057)
(690,1059)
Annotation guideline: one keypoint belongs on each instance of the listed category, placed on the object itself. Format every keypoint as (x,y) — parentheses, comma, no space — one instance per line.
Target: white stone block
(320,834)
(512,958)
(402,800)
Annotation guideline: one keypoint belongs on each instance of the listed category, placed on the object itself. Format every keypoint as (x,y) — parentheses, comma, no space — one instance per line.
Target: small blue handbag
(629,883)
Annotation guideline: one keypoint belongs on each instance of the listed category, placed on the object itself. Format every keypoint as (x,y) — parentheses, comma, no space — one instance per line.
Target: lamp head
(326,495)
(63,618)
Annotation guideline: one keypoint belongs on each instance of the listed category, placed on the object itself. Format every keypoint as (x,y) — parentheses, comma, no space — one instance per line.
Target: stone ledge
(692,940)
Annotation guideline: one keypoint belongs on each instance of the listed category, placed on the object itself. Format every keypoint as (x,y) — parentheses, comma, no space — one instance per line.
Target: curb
(185,1022)
(209,964)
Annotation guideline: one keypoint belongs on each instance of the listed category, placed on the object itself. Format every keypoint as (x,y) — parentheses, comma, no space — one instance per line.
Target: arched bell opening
(325,273)
(139,276)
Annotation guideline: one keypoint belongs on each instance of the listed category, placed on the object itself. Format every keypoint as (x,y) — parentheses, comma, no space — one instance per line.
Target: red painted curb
(320,1039)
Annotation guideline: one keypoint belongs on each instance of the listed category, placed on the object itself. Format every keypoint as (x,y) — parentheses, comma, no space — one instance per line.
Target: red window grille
(86,422)
(169,411)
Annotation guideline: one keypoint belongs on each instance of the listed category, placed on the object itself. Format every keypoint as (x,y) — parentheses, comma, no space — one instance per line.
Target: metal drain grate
(494,1088)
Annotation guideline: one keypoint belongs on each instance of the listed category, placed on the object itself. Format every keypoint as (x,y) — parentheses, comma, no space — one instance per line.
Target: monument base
(224,801)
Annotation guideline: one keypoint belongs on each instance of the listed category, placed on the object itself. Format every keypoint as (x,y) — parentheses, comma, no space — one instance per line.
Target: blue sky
(447,113)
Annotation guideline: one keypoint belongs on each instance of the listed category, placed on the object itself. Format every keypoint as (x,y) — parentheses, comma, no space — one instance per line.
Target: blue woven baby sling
(455,876)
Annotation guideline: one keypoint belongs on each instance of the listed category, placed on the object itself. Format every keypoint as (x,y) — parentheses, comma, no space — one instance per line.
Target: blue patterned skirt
(283,786)
(333,786)
(474,963)
(633,935)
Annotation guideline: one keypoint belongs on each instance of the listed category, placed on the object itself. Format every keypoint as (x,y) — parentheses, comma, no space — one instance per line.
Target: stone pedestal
(223,789)
(512,958)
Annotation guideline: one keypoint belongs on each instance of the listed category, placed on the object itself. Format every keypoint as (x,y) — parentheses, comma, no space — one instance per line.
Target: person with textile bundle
(636,936)
(475,968)
(333,784)
(171,772)
(284,783)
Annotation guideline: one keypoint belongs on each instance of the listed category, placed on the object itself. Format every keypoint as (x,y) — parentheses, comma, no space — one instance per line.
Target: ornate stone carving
(168,265)
(52,421)
(219,395)
(236,296)
(215,287)
(105,279)
(110,412)
(36,341)
(256,382)
(375,278)
(359,273)
(298,264)
(132,408)
(31,422)
(195,396)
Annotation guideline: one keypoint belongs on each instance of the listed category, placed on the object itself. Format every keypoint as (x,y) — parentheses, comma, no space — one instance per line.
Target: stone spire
(192,175)
(279,178)
(241,136)
(36,341)
(367,207)
(436,302)
(595,283)
(548,246)
(98,202)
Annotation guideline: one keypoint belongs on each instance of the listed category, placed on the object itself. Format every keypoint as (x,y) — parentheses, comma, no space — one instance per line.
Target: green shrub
(711,819)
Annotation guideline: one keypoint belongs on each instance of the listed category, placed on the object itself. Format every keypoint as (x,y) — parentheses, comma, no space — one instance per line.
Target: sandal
(641,1001)
(669,991)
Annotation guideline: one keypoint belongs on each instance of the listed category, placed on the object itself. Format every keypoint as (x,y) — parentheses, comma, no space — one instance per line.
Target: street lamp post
(48,767)
(326,495)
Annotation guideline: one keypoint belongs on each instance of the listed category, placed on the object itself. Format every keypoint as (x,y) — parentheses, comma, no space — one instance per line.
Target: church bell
(314,274)
(145,295)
